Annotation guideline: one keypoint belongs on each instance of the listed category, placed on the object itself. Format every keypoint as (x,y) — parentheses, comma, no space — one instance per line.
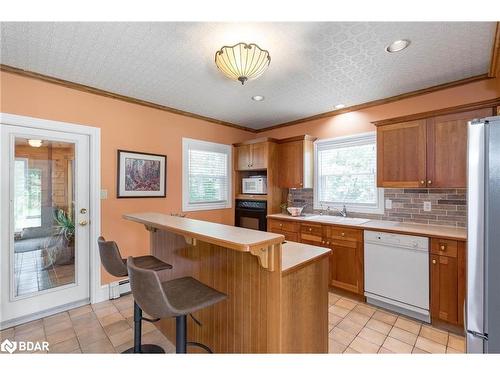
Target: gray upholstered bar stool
(117,266)
(174,298)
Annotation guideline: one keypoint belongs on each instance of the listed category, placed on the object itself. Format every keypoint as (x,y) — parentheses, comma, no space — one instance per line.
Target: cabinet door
(291,162)
(401,154)
(346,266)
(258,155)
(243,158)
(444,288)
(447,149)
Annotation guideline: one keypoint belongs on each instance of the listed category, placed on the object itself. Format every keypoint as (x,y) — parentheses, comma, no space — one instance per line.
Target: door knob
(429,182)
(422,182)
(83,211)
(434,261)
(83,222)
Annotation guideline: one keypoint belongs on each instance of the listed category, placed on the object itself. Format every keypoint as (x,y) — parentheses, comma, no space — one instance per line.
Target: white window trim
(351,140)
(207,146)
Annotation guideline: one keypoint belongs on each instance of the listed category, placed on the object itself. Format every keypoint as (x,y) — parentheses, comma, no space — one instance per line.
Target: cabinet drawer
(444,247)
(289,236)
(341,233)
(288,226)
(311,232)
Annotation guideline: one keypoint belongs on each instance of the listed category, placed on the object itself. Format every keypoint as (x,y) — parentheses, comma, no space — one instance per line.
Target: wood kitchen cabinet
(295,161)
(287,228)
(427,152)
(447,280)
(252,156)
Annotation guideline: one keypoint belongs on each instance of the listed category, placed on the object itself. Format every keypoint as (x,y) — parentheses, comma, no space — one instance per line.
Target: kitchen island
(277,292)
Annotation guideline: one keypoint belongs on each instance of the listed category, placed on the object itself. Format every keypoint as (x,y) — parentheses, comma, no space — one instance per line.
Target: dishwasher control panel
(400,240)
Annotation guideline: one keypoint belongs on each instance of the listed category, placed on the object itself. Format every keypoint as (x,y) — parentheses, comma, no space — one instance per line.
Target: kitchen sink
(337,219)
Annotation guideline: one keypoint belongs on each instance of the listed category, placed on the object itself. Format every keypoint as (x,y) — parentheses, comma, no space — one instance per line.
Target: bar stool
(174,298)
(117,266)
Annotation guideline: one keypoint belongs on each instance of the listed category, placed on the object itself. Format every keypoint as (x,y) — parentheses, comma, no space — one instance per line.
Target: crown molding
(108,94)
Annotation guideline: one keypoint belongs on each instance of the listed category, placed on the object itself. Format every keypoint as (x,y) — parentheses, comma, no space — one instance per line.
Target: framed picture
(141,175)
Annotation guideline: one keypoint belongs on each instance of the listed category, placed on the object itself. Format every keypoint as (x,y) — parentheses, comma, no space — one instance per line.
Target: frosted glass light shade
(242,61)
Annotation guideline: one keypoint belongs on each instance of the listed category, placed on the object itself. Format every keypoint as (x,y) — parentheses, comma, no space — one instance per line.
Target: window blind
(208,180)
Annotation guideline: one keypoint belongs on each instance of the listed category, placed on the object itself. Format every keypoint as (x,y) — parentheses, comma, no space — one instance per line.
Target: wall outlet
(104,194)
(388,204)
(427,206)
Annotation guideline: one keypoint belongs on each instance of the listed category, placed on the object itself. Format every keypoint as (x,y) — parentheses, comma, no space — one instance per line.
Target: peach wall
(360,121)
(123,126)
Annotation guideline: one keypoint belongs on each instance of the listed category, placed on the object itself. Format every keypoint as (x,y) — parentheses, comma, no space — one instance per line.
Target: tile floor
(354,327)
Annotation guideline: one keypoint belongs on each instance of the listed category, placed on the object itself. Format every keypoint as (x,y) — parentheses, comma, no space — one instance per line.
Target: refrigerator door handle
(475,227)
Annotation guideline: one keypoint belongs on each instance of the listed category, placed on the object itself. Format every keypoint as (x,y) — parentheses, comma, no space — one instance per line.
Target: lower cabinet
(447,280)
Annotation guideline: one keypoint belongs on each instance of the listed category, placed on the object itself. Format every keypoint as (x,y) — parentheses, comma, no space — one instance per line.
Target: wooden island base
(275,304)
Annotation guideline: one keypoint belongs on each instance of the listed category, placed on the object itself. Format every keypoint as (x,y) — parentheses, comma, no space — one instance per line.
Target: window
(206,170)
(27,195)
(346,173)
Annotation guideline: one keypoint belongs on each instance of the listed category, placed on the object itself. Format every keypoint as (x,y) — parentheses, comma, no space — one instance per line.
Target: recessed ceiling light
(397,45)
(35,142)
(258,98)
(339,106)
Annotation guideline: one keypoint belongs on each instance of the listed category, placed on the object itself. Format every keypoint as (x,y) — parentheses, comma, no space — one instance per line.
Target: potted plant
(283,207)
(62,250)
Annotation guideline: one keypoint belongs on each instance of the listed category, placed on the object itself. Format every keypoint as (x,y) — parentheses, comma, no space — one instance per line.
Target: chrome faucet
(343,211)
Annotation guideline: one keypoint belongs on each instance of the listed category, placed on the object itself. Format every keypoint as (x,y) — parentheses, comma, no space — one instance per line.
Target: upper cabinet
(252,156)
(427,152)
(295,161)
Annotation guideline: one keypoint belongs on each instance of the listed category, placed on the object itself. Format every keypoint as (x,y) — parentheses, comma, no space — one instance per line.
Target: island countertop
(295,255)
(240,239)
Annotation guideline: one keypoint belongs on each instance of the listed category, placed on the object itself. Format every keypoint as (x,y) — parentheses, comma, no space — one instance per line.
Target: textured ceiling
(314,66)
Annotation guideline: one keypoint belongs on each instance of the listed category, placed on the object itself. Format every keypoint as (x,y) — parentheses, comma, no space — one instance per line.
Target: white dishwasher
(397,273)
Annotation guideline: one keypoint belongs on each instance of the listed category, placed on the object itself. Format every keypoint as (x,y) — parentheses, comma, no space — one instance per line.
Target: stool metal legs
(181,342)
(138,347)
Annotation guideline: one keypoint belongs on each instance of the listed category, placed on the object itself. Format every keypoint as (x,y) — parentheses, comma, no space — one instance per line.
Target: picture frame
(141,175)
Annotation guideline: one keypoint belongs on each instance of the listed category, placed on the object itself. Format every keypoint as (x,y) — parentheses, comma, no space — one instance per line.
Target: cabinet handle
(434,261)
(322,242)
(310,229)
(422,182)
(429,182)
(343,234)
(281,225)
(328,243)
(442,247)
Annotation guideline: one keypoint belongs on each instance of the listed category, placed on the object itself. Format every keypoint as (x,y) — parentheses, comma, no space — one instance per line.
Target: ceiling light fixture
(258,98)
(35,142)
(397,45)
(242,61)
(339,106)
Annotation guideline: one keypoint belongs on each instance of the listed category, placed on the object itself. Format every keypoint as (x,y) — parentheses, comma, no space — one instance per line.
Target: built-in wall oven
(251,214)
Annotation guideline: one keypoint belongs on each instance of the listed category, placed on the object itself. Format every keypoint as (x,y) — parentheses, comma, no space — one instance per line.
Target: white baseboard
(103,293)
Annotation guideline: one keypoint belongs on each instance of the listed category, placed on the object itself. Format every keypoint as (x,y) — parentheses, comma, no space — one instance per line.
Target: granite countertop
(295,255)
(427,230)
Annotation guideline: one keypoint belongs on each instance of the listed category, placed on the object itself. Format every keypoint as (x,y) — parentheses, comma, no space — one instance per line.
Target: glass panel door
(44,220)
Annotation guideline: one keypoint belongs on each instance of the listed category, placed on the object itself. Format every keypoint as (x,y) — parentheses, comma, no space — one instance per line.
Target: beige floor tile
(358,318)
(434,334)
(429,345)
(110,319)
(335,347)
(396,346)
(80,311)
(106,311)
(157,338)
(346,303)
(116,327)
(383,350)
(408,325)
(36,334)
(148,327)
(384,317)
(419,351)
(334,319)
(67,346)
(379,326)
(102,305)
(365,309)
(128,313)
(56,319)
(55,327)
(350,350)
(456,342)
(122,337)
(60,336)
(332,298)
(125,346)
(341,336)
(339,311)
(30,326)
(403,335)
(90,335)
(100,346)
(7,334)
(450,350)
(372,336)
(350,326)
(363,346)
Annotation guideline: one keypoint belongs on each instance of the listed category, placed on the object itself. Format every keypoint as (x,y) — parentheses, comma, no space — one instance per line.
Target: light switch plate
(427,206)
(104,194)
(388,204)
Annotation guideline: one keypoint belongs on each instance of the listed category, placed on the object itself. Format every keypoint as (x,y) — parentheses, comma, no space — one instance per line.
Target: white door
(44,207)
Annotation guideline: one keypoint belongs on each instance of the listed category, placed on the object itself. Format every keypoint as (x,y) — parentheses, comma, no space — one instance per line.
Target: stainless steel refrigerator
(483,250)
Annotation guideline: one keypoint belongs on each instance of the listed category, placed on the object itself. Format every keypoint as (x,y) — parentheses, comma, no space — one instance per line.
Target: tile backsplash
(448,206)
